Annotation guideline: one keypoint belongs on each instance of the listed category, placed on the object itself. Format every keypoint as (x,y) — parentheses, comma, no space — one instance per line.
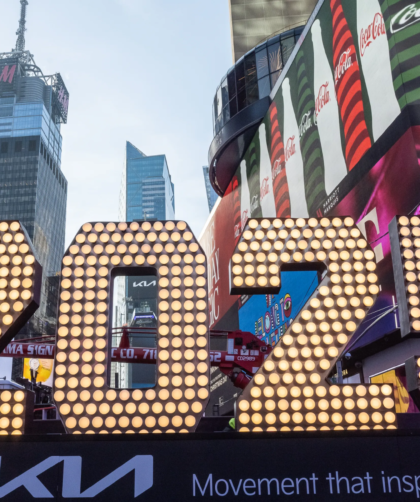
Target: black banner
(371,467)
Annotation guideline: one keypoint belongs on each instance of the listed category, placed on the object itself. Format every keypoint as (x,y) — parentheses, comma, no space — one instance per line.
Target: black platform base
(375,466)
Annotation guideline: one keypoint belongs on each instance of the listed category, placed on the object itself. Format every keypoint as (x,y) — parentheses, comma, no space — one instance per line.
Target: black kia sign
(371,467)
(142,287)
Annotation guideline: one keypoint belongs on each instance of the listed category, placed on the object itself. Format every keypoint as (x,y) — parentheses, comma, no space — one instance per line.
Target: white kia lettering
(142,465)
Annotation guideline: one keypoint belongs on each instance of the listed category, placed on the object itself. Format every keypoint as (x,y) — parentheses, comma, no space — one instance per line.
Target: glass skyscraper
(33,189)
(147,191)
(211,194)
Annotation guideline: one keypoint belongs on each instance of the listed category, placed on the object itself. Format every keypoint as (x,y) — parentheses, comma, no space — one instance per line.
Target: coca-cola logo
(290,148)
(244,218)
(277,169)
(323,98)
(372,32)
(237,230)
(406,17)
(344,64)
(305,124)
(265,188)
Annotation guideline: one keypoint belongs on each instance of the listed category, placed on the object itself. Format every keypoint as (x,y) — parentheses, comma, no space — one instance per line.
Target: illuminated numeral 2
(290,391)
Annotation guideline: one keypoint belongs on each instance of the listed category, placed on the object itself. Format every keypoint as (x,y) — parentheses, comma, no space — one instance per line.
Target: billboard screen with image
(341,138)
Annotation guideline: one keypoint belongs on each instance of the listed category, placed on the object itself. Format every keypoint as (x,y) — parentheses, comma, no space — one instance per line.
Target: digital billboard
(341,138)
(269,316)
(42,369)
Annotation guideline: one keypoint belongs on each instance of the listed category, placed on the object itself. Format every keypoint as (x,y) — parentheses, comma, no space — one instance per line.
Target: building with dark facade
(33,188)
(241,101)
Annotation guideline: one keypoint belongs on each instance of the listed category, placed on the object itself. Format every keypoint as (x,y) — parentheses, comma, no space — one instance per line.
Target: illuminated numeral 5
(82,362)
(290,391)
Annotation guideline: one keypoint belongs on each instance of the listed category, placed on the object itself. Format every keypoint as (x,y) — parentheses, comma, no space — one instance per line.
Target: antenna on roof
(20,43)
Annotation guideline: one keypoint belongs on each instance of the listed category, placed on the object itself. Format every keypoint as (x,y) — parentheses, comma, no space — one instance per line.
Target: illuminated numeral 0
(290,391)
(82,363)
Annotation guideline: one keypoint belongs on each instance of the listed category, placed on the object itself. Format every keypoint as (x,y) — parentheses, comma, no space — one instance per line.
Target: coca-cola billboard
(340,138)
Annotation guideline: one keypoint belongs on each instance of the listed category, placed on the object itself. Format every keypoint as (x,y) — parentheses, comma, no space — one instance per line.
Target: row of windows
(31,120)
(18,146)
(53,166)
(7,101)
(253,77)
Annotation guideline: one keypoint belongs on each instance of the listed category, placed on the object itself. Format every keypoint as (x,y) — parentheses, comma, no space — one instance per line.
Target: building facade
(33,188)
(253,21)
(211,194)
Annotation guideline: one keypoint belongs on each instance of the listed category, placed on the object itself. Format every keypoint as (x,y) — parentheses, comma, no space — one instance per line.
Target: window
(231,84)
(264,87)
(240,76)
(274,77)
(18,146)
(135,305)
(262,63)
(250,68)
(225,92)
(32,145)
(274,58)
(287,47)
(4,147)
(6,111)
(7,101)
(232,107)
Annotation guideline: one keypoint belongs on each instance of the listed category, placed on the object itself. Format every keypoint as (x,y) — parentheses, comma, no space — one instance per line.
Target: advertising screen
(43,369)
(341,138)
(269,316)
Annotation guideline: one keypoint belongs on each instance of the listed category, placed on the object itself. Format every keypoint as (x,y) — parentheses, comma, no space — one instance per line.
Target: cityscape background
(135,72)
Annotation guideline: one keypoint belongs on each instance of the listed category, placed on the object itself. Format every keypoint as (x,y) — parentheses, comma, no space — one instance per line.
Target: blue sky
(139,70)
